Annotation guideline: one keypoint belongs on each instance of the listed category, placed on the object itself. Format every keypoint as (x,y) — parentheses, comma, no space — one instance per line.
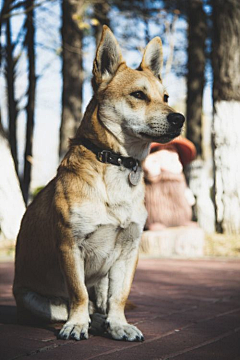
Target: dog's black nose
(176,120)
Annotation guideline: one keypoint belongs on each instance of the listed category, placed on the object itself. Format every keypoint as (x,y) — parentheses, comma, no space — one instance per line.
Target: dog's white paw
(124,331)
(74,331)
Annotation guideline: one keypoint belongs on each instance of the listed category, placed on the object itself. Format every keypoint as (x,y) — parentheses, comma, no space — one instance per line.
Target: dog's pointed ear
(108,58)
(153,57)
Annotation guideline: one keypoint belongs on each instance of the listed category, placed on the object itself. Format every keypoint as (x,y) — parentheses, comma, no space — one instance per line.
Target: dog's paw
(74,331)
(124,331)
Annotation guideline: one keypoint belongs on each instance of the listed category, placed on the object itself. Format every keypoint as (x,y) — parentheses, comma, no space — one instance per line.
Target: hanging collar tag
(135,175)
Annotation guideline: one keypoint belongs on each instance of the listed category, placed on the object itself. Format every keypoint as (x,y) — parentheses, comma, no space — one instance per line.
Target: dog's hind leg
(32,307)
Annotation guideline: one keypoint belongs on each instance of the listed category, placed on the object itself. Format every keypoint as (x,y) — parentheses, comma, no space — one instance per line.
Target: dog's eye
(139,95)
(165,98)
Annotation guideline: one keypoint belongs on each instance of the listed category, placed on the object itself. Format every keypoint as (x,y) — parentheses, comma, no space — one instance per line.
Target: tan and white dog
(79,238)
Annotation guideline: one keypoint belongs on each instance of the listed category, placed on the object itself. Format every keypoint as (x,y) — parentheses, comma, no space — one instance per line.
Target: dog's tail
(43,308)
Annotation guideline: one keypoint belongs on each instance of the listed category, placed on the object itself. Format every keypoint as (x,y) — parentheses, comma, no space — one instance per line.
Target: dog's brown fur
(77,248)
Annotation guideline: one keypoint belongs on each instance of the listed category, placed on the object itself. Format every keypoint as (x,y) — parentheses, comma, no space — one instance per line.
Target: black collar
(109,157)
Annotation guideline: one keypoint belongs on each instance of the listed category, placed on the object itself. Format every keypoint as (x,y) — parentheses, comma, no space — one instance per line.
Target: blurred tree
(197,173)
(193,11)
(10,74)
(226,125)
(197,55)
(72,70)
(178,9)
(12,205)
(30,108)
(101,17)
(135,23)
(12,46)
(10,59)
(197,33)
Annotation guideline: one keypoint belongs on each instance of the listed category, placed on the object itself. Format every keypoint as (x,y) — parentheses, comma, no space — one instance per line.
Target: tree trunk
(12,103)
(226,122)
(197,31)
(72,71)
(101,10)
(30,43)
(12,206)
(197,173)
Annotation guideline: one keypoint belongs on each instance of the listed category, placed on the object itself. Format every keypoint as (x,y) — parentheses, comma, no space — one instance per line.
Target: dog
(77,248)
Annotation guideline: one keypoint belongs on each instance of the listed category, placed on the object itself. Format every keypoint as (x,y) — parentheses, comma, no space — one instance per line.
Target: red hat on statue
(185,148)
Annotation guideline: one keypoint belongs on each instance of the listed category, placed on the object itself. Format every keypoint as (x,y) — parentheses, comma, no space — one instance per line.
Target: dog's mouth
(161,138)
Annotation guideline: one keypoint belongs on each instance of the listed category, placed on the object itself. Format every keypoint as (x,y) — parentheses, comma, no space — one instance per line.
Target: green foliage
(36,191)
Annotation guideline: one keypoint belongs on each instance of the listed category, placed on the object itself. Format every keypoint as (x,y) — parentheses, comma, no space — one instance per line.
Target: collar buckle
(103,155)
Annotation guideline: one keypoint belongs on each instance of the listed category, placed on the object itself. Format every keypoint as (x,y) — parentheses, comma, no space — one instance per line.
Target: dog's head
(133,104)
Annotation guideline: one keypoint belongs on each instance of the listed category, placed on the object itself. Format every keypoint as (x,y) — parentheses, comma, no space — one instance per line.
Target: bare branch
(18,5)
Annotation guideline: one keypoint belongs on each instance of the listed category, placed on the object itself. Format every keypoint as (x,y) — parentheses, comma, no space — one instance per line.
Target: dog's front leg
(120,280)
(72,264)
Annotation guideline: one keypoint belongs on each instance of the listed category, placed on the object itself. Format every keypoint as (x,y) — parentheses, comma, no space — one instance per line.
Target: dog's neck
(94,130)
(109,157)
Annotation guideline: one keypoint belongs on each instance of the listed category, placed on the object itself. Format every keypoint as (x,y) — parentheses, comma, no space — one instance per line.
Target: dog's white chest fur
(97,222)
